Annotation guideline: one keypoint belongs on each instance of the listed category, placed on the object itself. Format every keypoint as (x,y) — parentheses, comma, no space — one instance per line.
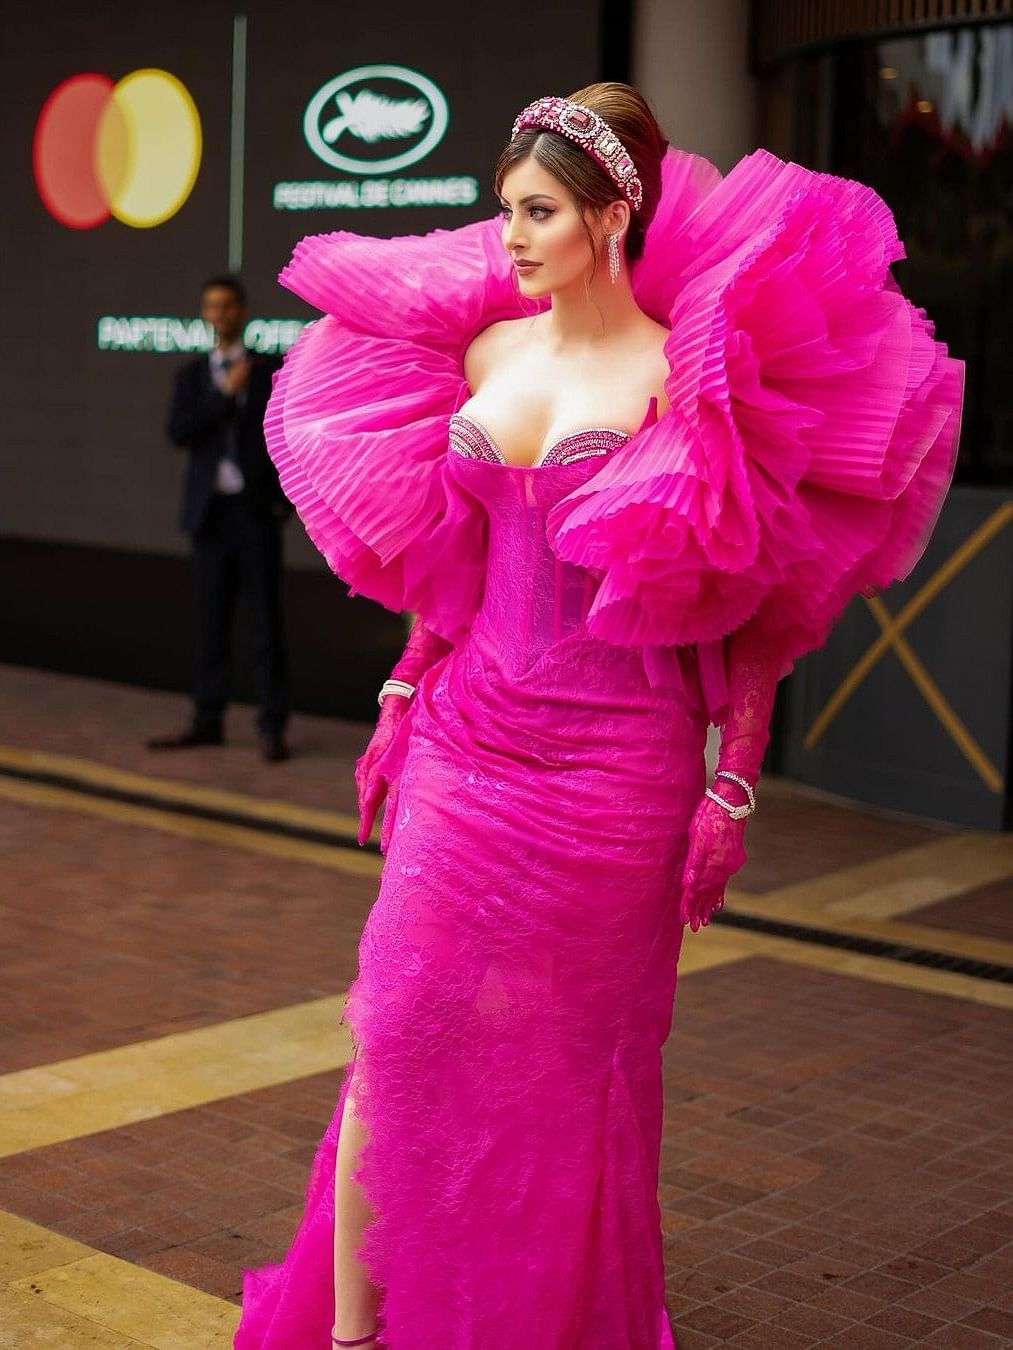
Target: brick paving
(841,1173)
(986,911)
(184,1194)
(798,836)
(116,933)
(99,720)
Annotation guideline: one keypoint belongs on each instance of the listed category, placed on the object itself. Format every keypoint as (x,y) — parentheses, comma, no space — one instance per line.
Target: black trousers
(237,552)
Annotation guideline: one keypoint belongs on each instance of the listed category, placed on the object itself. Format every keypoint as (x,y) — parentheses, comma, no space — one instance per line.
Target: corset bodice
(532,600)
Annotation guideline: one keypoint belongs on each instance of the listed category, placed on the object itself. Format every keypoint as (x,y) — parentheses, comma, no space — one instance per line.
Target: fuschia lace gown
(517,972)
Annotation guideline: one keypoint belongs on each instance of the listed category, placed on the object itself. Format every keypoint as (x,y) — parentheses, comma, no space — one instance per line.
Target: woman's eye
(535,212)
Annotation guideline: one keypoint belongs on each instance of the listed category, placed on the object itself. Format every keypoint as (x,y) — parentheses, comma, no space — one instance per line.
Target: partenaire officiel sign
(173,334)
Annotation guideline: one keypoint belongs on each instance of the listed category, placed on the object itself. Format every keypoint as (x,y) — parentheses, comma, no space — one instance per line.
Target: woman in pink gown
(583,615)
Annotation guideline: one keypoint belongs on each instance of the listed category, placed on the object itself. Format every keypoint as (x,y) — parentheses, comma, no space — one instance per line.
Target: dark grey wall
(887,745)
(130,617)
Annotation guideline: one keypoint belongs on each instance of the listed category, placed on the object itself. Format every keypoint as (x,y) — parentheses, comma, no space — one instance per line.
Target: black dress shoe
(186,740)
(273,747)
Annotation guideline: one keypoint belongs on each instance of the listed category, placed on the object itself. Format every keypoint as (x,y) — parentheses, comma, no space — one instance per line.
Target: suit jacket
(199,415)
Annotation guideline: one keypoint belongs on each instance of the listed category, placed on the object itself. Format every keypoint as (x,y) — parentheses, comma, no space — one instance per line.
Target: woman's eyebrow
(531,197)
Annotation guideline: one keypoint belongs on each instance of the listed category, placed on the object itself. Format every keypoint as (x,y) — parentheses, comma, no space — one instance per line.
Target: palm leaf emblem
(372,117)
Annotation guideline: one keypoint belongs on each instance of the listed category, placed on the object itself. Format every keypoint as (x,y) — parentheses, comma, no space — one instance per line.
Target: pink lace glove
(716,841)
(376,771)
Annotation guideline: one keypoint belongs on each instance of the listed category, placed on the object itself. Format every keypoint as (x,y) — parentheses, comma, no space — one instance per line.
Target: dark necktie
(232,425)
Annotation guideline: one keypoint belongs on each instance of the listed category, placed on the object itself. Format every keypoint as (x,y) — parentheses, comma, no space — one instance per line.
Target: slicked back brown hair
(628,114)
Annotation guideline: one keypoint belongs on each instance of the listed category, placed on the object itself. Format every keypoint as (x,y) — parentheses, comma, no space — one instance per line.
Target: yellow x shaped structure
(892,638)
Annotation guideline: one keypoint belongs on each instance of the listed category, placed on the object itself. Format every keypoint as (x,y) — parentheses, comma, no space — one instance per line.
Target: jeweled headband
(592,133)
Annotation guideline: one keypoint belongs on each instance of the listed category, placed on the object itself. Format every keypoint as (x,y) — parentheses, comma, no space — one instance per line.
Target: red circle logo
(131,150)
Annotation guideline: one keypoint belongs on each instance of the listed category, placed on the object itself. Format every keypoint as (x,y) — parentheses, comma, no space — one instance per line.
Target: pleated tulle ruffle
(812,431)
(358,421)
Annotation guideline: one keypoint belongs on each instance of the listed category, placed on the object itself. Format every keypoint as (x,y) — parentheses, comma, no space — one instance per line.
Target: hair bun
(630,116)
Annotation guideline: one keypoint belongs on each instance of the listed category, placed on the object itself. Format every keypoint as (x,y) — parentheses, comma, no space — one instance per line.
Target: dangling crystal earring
(613,247)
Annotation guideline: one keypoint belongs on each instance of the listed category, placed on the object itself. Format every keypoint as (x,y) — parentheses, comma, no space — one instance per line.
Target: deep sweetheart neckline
(545,454)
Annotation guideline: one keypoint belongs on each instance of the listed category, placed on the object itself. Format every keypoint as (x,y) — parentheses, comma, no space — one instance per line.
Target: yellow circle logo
(131,150)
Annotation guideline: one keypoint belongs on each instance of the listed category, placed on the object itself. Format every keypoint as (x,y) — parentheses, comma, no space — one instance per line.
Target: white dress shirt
(229,476)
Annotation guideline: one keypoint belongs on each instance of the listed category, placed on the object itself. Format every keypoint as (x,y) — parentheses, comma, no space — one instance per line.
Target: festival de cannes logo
(354,121)
(131,150)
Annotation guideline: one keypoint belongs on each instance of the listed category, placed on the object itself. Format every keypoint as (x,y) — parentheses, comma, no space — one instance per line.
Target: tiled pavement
(134,934)
(987,910)
(837,1167)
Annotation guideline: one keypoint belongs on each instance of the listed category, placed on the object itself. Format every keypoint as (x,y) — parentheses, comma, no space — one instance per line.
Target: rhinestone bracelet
(736,812)
(401,687)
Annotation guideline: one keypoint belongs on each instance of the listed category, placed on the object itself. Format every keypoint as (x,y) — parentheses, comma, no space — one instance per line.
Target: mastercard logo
(130,150)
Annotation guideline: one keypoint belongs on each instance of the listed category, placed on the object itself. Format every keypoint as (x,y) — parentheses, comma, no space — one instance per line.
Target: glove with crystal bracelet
(378,768)
(716,845)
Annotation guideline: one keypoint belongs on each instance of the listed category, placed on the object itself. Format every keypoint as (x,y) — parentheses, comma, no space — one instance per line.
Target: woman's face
(542,225)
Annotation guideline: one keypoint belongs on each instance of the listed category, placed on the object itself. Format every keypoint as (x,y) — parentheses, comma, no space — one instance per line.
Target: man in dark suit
(233,510)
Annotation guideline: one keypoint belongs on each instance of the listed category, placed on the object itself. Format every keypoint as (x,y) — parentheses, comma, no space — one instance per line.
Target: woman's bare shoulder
(488,346)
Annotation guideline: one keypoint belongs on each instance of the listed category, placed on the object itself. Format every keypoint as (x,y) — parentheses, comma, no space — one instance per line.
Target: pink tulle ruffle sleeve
(812,431)
(358,421)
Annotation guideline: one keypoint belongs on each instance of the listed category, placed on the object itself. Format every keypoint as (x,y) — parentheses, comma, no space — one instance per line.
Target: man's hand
(237,376)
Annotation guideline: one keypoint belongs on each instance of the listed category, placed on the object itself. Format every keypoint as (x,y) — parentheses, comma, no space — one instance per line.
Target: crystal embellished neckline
(472,440)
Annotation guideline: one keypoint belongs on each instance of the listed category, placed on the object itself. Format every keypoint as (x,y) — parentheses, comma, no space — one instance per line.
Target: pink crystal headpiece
(592,133)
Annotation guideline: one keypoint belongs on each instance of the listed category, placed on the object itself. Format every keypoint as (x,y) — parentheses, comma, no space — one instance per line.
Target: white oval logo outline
(432,138)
